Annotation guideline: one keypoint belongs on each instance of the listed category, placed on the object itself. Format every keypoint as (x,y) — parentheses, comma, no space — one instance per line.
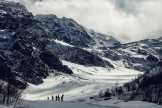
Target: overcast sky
(130,20)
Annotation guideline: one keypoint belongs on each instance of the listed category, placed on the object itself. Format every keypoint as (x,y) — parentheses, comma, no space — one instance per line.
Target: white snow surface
(3,12)
(101,39)
(76,104)
(62,43)
(86,81)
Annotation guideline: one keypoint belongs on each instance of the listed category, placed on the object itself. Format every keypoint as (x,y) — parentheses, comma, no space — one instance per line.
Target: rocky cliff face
(72,33)
(23,45)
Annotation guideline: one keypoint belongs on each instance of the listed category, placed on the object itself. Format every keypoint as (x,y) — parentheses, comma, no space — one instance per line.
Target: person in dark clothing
(56,98)
(62,98)
(47,98)
(52,98)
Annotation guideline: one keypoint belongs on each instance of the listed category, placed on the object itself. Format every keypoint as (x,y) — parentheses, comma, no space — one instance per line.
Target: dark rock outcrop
(52,61)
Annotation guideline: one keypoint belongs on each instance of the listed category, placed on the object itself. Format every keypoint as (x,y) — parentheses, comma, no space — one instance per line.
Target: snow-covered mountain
(136,55)
(81,60)
(72,33)
(31,50)
(22,45)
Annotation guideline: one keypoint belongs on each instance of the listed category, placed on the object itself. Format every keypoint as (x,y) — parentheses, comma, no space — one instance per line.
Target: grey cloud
(131,6)
(130,20)
(127,6)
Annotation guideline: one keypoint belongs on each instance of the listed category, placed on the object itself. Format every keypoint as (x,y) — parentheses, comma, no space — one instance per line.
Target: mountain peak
(73,33)
(48,16)
(13,8)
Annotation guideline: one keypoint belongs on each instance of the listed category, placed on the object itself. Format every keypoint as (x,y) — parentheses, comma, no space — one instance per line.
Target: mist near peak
(130,20)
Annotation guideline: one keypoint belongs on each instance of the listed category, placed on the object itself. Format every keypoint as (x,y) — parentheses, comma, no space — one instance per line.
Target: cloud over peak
(130,20)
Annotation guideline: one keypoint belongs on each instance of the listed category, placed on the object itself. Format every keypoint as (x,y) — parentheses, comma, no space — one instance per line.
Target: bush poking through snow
(9,95)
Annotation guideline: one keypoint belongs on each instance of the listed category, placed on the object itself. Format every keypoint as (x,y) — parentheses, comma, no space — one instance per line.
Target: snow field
(86,81)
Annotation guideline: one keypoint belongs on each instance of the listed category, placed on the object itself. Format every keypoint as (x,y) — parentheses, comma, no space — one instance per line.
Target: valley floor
(75,104)
(86,81)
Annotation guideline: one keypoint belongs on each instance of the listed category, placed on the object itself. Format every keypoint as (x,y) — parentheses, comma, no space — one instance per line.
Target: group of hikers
(57,98)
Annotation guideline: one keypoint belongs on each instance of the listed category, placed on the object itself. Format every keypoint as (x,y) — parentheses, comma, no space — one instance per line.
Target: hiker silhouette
(62,98)
(52,98)
(56,98)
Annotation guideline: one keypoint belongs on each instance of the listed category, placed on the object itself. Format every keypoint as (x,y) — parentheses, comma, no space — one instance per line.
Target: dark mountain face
(77,55)
(138,55)
(53,62)
(67,30)
(29,50)
(147,87)
(8,75)
(71,32)
(23,46)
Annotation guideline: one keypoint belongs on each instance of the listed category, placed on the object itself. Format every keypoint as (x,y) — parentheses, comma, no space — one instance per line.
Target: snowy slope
(86,81)
(72,104)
